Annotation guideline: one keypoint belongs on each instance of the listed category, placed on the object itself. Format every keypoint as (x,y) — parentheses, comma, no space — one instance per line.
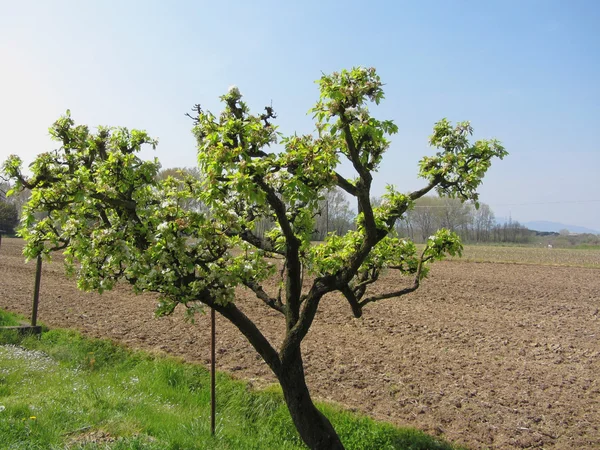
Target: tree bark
(314,428)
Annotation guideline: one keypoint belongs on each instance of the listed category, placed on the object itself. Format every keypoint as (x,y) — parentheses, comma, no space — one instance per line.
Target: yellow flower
(33,417)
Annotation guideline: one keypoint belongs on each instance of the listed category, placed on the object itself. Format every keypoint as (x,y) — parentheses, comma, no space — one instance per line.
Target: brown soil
(487,355)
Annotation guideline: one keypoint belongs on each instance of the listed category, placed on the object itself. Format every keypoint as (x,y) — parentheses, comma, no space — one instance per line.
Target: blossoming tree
(115,219)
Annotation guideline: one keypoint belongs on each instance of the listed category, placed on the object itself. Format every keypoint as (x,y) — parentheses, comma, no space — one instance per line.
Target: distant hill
(543,225)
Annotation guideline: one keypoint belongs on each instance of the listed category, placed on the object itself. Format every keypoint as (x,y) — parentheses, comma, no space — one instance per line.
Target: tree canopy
(116,219)
(9,217)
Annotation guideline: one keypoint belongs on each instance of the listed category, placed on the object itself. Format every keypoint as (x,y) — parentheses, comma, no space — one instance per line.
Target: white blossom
(351,111)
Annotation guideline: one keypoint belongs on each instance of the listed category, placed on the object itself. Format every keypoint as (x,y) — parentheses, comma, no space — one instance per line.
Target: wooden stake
(212,372)
(36,291)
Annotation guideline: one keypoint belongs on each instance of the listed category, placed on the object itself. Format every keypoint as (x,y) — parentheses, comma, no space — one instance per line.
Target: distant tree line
(336,214)
(429,214)
(470,223)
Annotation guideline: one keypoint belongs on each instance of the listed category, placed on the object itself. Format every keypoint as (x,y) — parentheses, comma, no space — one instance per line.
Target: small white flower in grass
(163,226)
(2,408)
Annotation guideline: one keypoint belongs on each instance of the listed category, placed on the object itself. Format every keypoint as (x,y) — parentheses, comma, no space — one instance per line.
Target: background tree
(9,217)
(425,216)
(184,178)
(456,215)
(512,231)
(17,198)
(473,223)
(335,214)
(483,223)
(112,215)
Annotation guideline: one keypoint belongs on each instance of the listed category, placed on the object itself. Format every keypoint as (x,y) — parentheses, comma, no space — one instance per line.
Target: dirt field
(489,355)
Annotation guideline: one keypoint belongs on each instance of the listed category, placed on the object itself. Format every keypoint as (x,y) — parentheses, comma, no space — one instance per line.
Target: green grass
(8,319)
(532,255)
(62,390)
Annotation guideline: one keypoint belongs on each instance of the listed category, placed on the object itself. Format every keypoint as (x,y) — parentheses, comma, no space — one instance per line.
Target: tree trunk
(315,429)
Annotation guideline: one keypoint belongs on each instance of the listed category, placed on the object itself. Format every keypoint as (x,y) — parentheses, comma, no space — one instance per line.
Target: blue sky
(524,71)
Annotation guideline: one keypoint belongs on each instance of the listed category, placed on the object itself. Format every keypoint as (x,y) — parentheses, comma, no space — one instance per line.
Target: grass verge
(62,390)
(9,319)
(585,258)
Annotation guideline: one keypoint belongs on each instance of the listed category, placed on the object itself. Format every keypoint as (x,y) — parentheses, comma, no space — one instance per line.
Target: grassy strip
(585,258)
(62,390)
(9,319)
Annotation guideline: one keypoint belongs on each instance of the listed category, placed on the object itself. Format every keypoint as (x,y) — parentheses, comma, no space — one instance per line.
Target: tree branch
(400,267)
(293,285)
(345,185)
(354,304)
(404,291)
(360,288)
(311,301)
(260,343)
(271,302)
(353,151)
(421,192)
(128,205)
(399,293)
(280,210)
(363,188)
(263,244)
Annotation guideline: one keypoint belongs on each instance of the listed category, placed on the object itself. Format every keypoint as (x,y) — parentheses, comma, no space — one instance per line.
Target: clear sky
(526,72)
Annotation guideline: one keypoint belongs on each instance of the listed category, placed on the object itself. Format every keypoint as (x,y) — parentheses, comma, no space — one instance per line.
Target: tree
(334,215)
(112,215)
(424,216)
(184,178)
(455,215)
(430,213)
(9,217)
(17,198)
(483,223)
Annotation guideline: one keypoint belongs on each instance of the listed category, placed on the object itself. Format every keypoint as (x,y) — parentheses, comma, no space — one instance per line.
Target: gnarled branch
(260,343)
(258,242)
(401,292)
(274,303)
(354,304)
(345,184)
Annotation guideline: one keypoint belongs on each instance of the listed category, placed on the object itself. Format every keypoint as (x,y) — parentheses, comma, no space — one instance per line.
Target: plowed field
(490,355)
